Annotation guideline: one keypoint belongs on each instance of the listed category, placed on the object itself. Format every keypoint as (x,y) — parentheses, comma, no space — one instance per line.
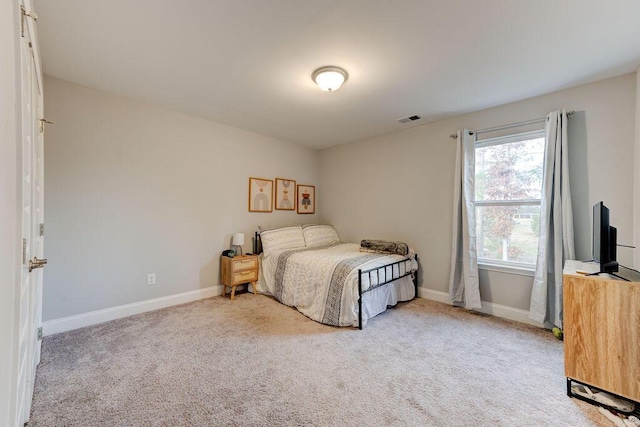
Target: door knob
(36,263)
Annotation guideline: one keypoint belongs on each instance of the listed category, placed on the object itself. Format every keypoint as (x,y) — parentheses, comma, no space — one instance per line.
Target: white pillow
(280,239)
(316,235)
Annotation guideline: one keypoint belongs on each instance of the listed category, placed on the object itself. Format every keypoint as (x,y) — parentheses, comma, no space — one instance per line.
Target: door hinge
(31,15)
(24,251)
(40,333)
(26,14)
(42,228)
(43,122)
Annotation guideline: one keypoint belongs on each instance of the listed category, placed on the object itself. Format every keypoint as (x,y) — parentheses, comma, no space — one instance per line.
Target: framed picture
(260,195)
(306,199)
(285,194)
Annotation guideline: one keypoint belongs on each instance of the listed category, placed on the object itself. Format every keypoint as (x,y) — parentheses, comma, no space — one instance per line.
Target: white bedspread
(322,283)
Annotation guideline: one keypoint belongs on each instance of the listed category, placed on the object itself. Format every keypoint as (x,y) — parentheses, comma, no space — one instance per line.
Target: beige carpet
(256,362)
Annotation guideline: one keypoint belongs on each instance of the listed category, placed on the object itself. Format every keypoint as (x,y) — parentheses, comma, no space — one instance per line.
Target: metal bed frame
(257,249)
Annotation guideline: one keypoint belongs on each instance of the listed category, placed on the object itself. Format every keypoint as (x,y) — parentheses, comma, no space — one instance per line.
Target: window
(508,189)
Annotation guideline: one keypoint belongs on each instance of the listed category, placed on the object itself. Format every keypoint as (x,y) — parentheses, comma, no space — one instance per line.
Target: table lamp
(237,242)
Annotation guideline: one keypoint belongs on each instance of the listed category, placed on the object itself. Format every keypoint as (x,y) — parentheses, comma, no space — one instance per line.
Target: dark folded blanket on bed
(384,247)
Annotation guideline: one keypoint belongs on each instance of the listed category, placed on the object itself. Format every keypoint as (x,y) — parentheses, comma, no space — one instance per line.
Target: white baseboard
(64,324)
(497,310)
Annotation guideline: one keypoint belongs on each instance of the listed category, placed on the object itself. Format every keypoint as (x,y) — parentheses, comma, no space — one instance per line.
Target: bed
(329,281)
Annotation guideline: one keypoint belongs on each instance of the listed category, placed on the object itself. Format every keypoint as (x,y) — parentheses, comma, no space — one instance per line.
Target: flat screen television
(604,239)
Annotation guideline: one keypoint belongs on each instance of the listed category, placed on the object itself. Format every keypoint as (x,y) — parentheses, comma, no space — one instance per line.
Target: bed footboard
(376,272)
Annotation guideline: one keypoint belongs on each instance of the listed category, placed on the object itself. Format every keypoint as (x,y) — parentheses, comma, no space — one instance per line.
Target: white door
(32,214)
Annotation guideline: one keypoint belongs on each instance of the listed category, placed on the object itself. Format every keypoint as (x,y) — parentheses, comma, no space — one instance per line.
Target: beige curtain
(556,241)
(464,288)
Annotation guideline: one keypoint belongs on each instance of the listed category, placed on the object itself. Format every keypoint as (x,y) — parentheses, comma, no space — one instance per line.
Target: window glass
(508,189)
(511,171)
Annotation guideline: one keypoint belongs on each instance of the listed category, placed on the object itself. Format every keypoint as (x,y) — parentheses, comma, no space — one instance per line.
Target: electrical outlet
(151,279)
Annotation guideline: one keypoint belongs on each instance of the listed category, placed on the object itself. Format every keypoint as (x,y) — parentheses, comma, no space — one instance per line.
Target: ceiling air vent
(409,119)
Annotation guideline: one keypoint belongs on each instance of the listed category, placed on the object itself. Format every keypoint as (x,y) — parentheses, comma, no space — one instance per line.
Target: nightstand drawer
(245,276)
(238,271)
(245,264)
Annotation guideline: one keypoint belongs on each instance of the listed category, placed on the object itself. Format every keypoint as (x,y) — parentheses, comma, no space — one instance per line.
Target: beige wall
(399,186)
(10,220)
(133,189)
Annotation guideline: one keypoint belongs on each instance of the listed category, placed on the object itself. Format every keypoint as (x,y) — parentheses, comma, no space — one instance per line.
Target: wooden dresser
(602,329)
(239,270)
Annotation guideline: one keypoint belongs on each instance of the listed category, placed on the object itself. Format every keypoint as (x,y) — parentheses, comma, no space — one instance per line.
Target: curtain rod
(513,125)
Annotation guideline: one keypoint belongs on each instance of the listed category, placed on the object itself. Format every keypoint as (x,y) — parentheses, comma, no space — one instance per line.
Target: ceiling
(248,63)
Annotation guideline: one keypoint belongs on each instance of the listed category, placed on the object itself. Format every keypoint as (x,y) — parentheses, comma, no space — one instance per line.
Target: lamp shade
(238,239)
(330,78)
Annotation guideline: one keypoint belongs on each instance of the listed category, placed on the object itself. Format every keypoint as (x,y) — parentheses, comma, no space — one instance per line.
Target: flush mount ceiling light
(330,78)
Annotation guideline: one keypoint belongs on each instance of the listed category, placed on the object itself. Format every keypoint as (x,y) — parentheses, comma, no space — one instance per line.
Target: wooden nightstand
(239,270)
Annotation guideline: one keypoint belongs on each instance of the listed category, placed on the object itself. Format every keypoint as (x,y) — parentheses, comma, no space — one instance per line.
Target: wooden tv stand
(602,329)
